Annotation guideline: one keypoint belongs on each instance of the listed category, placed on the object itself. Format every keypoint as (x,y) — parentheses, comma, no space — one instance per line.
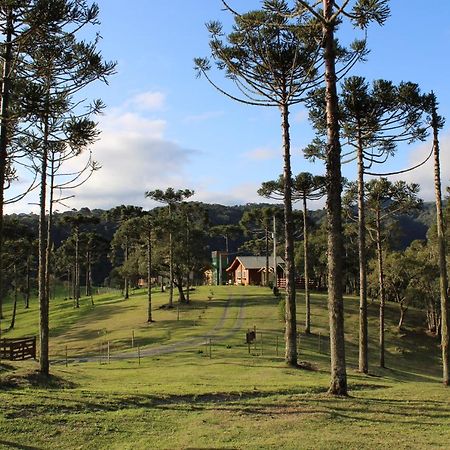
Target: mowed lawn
(206,388)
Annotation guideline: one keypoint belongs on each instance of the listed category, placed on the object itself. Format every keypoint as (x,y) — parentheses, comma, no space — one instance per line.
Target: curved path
(196,341)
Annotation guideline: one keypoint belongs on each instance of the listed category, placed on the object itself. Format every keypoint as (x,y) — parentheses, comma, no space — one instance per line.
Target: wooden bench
(18,349)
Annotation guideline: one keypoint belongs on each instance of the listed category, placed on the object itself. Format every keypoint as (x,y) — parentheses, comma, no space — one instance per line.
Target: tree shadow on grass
(395,411)
(9,444)
(72,330)
(351,409)
(113,402)
(95,402)
(294,401)
(34,379)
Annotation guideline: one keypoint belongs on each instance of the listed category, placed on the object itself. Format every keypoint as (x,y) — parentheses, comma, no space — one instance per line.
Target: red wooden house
(245,270)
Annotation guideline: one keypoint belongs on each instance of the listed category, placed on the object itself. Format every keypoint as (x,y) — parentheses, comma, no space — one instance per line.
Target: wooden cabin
(250,270)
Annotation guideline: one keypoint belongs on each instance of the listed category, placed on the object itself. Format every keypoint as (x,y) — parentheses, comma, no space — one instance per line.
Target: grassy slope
(233,400)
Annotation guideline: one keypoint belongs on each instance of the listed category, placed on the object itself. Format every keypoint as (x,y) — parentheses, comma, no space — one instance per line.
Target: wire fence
(253,343)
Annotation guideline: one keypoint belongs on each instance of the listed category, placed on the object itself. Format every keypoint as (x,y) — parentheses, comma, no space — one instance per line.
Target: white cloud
(424,175)
(131,124)
(261,154)
(134,157)
(148,101)
(239,194)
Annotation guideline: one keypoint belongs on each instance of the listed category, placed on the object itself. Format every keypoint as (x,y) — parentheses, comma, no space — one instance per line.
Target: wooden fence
(314,284)
(18,349)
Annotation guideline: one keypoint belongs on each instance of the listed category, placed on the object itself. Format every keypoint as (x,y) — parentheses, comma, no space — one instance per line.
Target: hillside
(412,226)
(198,384)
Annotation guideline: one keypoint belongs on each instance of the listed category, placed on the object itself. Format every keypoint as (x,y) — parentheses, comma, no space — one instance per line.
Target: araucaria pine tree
(372,119)
(273,60)
(305,187)
(437,122)
(329,15)
(171,198)
(57,67)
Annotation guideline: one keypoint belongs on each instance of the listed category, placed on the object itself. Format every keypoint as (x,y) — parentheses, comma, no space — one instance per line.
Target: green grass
(235,399)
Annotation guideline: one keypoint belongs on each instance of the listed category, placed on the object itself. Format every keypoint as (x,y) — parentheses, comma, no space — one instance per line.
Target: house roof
(253,262)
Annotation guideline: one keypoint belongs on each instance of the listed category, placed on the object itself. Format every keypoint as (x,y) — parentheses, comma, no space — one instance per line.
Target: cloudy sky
(164,127)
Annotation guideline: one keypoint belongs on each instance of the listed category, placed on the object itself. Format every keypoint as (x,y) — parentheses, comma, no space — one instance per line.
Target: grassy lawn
(235,397)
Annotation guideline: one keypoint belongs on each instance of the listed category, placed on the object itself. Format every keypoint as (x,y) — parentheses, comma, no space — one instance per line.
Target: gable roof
(253,262)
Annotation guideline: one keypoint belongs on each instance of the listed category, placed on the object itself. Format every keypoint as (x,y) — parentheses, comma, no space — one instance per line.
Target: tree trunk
(338,385)
(275,275)
(149,275)
(227,250)
(13,318)
(432,320)
(89,278)
(68,282)
(188,261)
(291,307)
(87,289)
(363,363)
(73,286)
(306,268)
(43,292)
(403,310)
(48,248)
(28,283)
(179,285)
(77,267)
(382,287)
(266,238)
(126,286)
(170,263)
(431,313)
(443,277)
(4,116)
(188,286)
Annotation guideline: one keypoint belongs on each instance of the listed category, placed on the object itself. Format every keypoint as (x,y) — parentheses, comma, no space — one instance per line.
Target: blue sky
(163,127)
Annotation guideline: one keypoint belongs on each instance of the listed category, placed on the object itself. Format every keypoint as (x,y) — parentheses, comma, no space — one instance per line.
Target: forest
(231,229)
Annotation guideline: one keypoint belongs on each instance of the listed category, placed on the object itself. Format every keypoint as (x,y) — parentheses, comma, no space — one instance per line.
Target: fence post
(132,338)
(262,348)
(109,353)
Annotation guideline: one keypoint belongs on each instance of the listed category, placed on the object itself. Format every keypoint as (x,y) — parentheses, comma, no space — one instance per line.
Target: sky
(164,127)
